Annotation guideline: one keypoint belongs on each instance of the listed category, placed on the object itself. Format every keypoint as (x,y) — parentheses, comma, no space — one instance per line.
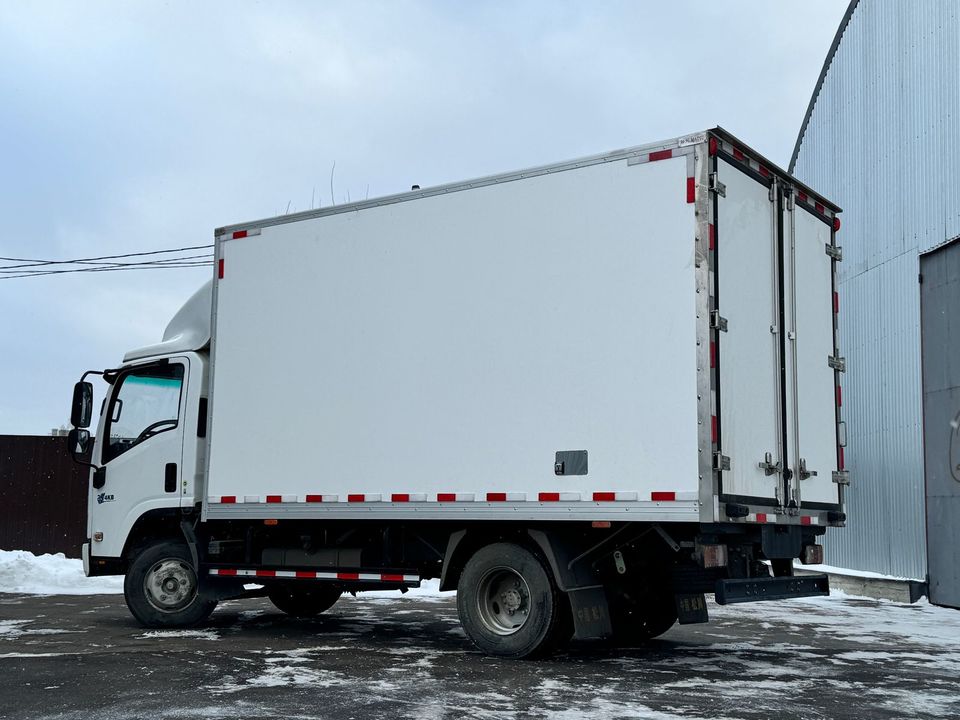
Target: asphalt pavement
(839,657)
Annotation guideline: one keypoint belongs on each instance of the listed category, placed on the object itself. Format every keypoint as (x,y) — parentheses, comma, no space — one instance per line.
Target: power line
(137,266)
(31,262)
(33,267)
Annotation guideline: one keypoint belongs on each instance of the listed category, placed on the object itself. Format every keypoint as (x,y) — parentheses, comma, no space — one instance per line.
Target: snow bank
(24,572)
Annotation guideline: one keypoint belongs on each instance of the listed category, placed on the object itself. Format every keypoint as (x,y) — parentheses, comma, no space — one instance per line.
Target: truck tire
(162,589)
(508,602)
(638,617)
(303,601)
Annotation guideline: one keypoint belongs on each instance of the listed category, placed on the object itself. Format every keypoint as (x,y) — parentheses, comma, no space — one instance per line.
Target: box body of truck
(631,350)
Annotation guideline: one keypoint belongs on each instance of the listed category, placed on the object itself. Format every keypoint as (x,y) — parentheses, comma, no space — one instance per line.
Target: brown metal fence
(43,496)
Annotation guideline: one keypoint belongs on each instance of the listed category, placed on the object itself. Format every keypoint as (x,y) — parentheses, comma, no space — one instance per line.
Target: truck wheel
(162,590)
(303,601)
(639,617)
(508,602)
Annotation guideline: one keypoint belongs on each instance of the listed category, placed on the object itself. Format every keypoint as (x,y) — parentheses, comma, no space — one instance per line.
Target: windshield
(146,402)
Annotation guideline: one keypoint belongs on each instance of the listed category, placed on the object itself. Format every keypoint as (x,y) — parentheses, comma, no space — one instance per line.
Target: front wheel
(508,602)
(162,590)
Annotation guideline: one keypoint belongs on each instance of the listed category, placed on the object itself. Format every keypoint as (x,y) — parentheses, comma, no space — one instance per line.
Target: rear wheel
(162,589)
(508,602)
(303,601)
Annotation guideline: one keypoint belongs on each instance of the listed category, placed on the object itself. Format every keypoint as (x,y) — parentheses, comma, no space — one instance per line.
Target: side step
(341,575)
(740,590)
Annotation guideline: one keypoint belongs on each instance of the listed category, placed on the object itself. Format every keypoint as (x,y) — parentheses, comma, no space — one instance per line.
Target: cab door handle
(170,478)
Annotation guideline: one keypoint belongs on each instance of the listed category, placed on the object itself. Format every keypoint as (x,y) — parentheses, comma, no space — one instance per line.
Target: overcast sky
(142,126)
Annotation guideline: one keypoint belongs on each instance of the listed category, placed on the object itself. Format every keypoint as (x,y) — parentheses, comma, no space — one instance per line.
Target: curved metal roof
(823,75)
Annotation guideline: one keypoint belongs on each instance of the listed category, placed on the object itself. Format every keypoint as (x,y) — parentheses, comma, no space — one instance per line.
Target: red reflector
(665,496)
(840,464)
(661,155)
(764,171)
(761,517)
(713,237)
(713,354)
(819,207)
(836,224)
(801,196)
(348,576)
(220,269)
(227,571)
(446,497)
(600,524)
(549,497)
(271,522)
(836,302)
(713,427)
(239,234)
(391,578)
(228,499)
(354,498)
(305,574)
(713,146)
(274,499)
(604,497)
(806,520)
(839,397)
(496,497)
(314,498)
(691,189)
(400,497)
(266,573)
(737,155)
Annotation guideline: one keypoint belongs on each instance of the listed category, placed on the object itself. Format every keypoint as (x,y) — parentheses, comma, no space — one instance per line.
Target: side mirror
(78,442)
(82,408)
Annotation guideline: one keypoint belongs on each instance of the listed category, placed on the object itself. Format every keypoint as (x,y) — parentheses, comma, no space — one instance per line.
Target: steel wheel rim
(170,585)
(503,600)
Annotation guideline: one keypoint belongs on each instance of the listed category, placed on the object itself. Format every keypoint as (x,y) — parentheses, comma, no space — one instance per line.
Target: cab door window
(145,402)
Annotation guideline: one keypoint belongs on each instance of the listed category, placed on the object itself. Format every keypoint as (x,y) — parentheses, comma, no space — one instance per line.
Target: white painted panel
(750,419)
(454,343)
(813,329)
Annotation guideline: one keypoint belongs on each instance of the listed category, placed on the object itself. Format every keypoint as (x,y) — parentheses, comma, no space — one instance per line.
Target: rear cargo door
(811,373)
(750,421)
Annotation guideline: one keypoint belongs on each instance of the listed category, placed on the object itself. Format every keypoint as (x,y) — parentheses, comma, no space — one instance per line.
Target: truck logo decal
(103,497)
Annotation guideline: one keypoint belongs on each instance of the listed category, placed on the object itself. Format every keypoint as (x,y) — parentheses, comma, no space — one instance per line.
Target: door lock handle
(170,477)
(768,466)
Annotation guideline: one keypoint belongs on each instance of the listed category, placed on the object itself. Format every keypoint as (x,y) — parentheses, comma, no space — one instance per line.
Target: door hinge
(804,473)
(721,461)
(768,466)
(834,251)
(837,363)
(716,186)
(841,477)
(717,322)
(772,194)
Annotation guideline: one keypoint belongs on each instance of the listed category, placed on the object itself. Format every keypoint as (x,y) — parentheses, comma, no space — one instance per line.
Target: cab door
(139,449)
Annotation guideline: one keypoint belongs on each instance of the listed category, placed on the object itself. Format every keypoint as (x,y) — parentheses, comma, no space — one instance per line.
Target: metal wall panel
(43,496)
(940,323)
(881,141)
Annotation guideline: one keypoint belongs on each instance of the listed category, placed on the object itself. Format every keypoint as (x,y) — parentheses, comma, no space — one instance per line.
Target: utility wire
(33,262)
(33,267)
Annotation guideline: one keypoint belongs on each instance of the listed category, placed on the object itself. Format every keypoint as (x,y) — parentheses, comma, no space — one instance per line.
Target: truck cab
(147,455)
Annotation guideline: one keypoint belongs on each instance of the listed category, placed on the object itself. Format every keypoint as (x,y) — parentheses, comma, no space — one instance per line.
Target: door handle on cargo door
(170,477)
(768,466)
(804,473)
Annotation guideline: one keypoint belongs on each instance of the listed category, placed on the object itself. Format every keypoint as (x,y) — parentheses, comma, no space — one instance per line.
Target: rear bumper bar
(740,590)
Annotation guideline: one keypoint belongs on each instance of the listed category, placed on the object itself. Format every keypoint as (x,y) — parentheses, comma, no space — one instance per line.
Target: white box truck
(583,395)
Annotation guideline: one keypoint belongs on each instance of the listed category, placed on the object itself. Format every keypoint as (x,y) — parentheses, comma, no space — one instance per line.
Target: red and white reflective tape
(240,234)
(316,575)
(771,518)
(488,497)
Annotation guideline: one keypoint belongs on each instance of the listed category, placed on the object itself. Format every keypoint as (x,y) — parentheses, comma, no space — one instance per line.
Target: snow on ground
(24,572)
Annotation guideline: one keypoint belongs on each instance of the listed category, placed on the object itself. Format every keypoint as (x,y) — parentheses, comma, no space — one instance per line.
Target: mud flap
(692,609)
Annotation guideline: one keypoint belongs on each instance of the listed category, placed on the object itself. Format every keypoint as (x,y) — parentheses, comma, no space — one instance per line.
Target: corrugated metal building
(882,139)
